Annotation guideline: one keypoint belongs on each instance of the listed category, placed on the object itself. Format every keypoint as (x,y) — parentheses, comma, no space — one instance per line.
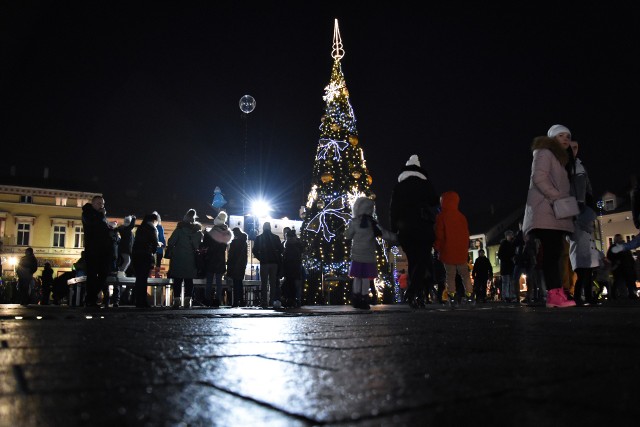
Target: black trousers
(142,270)
(97,271)
(420,263)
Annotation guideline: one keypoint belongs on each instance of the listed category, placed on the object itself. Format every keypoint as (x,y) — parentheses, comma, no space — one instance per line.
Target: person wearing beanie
(413,209)
(556,130)
(237,265)
(185,241)
(549,182)
(215,243)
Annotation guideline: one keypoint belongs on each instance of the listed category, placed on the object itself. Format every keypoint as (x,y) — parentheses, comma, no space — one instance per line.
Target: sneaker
(121,275)
(558,298)
(451,301)
(116,305)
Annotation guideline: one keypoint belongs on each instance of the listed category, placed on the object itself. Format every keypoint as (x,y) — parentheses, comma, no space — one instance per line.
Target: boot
(577,295)
(187,302)
(557,298)
(176,303)
(355,300)
(364,302)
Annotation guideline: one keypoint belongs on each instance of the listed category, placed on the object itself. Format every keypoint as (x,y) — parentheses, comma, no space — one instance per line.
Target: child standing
(452,243)
(362,230)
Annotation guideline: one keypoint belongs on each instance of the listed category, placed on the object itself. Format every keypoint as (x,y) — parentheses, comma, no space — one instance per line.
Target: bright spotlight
(260,208)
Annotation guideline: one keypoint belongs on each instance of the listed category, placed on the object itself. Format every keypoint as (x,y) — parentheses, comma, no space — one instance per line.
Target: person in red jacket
(452,243)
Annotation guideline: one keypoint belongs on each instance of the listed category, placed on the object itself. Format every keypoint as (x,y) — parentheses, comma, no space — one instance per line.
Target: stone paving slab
(328,365)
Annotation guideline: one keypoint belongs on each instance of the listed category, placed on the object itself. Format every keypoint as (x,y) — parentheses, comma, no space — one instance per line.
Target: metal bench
(251,289)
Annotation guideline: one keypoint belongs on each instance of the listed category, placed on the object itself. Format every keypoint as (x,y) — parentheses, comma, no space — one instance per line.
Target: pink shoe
(557,298)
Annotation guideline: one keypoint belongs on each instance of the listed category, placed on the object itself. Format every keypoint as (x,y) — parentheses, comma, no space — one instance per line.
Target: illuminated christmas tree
(340,176)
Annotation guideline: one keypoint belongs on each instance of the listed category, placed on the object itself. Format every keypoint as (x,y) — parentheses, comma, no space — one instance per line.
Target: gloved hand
(616,249)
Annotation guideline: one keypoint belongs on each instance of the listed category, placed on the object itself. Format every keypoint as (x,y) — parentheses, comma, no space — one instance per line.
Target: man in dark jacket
(98,248)
(506,252)
(482,271)
(413,209)
(26,267)
(268,249)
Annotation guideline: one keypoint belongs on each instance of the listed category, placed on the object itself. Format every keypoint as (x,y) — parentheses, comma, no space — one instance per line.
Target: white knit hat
(221,218)
(413,161)
(557,129)
(413,165)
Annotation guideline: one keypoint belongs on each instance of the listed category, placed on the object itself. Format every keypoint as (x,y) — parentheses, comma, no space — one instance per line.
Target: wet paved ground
(493,364)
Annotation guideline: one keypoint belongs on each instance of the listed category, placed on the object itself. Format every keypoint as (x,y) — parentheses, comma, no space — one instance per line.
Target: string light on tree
(340,175)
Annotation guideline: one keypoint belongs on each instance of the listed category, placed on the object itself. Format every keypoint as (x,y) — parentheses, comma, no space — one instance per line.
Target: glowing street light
(260,208)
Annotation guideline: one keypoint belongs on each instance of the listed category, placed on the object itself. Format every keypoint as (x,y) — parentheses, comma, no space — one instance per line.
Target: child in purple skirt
(362,230)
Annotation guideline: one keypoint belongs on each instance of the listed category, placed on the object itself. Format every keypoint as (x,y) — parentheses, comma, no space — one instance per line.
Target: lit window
(23,235)
(59,232)
(78,237)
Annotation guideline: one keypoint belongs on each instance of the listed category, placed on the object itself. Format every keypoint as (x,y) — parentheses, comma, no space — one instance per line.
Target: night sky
(141,102)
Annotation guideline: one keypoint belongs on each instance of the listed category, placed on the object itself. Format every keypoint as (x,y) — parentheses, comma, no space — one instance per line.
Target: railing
(251,289)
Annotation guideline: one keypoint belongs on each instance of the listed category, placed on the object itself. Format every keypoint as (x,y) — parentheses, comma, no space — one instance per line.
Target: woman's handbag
(566,207)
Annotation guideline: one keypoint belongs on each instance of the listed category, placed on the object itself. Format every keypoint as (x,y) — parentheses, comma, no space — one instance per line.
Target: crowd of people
(555,250)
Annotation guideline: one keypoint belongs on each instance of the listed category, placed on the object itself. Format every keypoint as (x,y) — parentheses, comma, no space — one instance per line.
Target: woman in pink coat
(550,182)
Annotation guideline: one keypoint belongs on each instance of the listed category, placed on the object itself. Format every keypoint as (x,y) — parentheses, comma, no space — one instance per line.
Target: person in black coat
(414,205)
(506,252)
(47,283)
(98,249)
(26,267)
(143,255)
(268,249)
(215,241)
(237,265)
(482,271)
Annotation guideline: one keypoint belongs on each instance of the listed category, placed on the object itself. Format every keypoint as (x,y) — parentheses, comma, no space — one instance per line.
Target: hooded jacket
(363,245)
(452,231)
(549,182)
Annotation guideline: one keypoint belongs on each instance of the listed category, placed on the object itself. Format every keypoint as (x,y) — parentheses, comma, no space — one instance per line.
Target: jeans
(209,287)
(507,288)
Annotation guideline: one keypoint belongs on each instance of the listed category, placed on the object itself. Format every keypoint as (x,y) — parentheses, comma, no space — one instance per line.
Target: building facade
(45,219)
